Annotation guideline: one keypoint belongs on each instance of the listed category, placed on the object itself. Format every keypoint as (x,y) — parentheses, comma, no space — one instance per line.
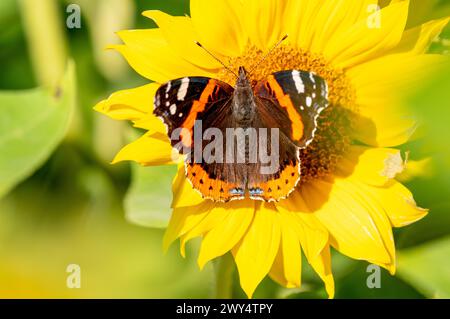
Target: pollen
(332,137)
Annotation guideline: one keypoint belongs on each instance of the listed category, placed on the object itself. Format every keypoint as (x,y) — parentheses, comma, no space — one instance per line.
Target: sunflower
(348,197)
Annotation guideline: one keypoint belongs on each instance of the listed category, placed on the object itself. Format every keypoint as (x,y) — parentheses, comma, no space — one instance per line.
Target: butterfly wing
(219,175)
(292,102)
(263,162)
(295,97)
(181,102)
(276,173)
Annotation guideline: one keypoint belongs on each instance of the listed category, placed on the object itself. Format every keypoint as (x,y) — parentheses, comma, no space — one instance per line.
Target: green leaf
(148,200)
(32,124)
(426,268)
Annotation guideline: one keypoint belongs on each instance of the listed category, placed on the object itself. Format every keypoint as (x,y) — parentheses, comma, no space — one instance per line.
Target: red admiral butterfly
(289,100)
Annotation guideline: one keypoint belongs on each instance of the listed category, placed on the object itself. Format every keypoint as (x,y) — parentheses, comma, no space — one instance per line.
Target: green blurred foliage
(71,209)
(32,125)
(432,106)
(427,268)
(147,202)
(76,208)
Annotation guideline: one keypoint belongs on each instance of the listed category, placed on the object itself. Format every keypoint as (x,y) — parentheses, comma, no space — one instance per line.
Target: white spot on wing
(169,85)
(183,89)
(308,101)
(173,109)
(298,82)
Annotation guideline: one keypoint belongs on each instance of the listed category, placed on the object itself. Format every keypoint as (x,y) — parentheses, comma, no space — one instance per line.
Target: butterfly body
(243,103)
(242,142)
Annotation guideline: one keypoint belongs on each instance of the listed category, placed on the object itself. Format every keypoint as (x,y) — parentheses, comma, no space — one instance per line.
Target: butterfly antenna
(268,54)
(217,59)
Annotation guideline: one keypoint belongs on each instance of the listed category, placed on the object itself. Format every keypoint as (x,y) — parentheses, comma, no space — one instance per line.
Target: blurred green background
(62,203)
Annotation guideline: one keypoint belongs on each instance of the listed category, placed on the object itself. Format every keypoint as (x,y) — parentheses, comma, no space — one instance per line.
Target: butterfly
(289,101)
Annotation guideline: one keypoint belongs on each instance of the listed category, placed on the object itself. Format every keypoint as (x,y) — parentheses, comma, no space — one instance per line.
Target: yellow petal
(222,238)
(311,24)
(183,192)
(219,25)
(375,166)
(150,55)
(322,266)
(184,219)
(214,218)
(379,216)
(382,86)
(130,104)
(314,23)
(150,149)
(286,269)
(417,40)
(398,203)
(264,21)
(277,272)
(300,18)
(390,73)
(376,128)
(180,35)
(361,42)
(152,124)
(312,235)
(354,230)
(255,253)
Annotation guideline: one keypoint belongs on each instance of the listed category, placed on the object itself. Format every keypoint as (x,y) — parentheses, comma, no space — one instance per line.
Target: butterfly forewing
(294,97)
(181,102)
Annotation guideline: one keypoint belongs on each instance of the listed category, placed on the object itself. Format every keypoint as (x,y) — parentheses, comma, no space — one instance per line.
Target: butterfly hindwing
(278,177)
(295,97)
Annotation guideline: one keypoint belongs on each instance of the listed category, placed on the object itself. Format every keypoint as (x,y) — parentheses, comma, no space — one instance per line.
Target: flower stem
(224,269)
(46,40)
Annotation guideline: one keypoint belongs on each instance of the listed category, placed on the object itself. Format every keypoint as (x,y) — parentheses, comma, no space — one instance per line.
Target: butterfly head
(243,81)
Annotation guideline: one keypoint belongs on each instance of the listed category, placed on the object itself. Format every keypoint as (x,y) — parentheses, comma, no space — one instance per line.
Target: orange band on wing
(197,107)
(214,189)
(286,102)
(281,187)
